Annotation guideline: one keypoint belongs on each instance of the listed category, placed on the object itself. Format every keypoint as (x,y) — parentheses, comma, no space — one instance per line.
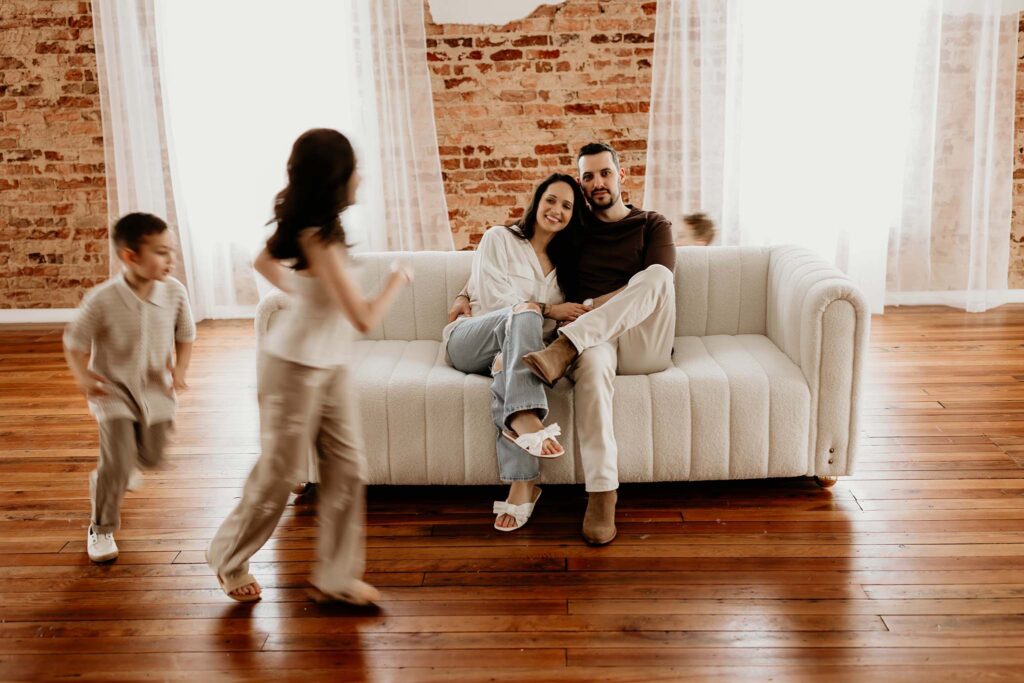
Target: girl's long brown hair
(319,169)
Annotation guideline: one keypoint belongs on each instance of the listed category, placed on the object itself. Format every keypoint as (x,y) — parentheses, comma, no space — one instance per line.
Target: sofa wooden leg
(826,481)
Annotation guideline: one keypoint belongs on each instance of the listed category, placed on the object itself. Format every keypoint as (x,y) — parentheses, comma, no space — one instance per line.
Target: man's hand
(460,307)
(567,312)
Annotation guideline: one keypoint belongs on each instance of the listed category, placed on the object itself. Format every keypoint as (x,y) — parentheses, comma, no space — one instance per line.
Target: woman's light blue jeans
(472,347)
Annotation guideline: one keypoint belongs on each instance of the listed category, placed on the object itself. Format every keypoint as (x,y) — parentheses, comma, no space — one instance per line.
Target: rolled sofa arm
(268,306)
(820,319)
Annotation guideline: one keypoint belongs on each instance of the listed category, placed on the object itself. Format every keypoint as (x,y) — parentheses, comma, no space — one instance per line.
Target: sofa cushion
(718,291)
(425,422)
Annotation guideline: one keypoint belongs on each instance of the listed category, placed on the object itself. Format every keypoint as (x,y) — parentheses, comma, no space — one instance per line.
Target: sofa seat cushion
(732,407)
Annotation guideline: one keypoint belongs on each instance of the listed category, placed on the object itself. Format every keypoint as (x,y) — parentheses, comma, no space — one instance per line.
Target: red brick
(503,174)
(551,149)
(619,107)
(506,55)
(452,83)
(527,41)
(51,48)
(517,95)
(488,41)
(498,200)
(638,38)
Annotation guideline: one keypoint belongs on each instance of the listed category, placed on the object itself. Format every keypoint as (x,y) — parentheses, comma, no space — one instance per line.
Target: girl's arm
(329,263)
(270,268)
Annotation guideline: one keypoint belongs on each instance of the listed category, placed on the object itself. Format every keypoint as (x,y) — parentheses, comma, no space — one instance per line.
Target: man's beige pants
(632,334)
(300,405)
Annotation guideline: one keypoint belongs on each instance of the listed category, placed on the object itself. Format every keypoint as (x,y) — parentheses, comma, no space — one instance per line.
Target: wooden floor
(913,570)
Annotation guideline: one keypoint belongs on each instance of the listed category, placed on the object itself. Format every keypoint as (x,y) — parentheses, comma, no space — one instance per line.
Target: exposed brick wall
(53,236)
(514,103)
(1017,229)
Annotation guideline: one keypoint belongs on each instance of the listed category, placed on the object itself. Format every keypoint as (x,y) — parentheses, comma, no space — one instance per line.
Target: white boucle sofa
(769,350)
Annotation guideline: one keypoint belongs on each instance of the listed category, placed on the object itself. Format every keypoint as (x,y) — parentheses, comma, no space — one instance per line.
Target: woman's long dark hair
(319,169)
(561,250)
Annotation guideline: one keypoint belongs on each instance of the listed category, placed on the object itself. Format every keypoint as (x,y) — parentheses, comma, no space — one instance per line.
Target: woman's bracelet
(544,308)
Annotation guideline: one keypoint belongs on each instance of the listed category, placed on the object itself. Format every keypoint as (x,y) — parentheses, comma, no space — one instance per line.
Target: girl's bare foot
(360,593)
(249,590)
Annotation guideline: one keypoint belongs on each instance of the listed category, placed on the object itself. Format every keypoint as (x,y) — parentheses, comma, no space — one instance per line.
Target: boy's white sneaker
(135,481)
(101,547)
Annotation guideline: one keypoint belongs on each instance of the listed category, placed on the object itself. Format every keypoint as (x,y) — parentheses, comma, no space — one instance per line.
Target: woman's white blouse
(506,272)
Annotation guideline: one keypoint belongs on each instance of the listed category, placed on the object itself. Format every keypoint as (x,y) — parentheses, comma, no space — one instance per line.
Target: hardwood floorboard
(910,570)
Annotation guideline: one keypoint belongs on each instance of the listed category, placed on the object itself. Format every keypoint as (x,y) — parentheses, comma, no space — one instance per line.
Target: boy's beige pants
(300,405)
(124,446)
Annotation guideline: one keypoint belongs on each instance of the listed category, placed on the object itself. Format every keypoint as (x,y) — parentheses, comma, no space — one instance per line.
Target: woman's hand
(460,307)
(566,312)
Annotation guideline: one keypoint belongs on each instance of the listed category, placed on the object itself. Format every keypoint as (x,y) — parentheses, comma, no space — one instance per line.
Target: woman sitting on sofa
(515,294)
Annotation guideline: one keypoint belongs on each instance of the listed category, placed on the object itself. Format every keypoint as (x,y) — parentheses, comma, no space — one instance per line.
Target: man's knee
(596,363)
(526,306)
(657,276)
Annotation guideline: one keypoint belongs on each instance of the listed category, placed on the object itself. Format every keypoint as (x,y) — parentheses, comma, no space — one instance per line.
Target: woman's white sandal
(533,443)
(521,513)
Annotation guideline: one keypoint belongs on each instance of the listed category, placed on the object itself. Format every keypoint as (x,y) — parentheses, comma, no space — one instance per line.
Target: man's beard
(610,199)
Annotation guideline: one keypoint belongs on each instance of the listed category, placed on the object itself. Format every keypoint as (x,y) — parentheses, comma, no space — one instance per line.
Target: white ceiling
(487,12)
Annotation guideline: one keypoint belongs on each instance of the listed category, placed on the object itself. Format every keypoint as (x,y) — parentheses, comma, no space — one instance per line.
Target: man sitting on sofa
(625,272)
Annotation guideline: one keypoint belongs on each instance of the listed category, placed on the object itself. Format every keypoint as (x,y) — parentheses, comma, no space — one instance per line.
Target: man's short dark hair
(592,148)
(131,228)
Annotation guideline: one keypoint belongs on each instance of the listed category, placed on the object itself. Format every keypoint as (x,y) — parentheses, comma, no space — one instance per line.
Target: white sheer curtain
(403,189)
(788,124)
(134,135)
(952,244)
(231,84)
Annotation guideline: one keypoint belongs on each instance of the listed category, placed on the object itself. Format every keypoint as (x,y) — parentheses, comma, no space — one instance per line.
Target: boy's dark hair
(703,227)
(131,228)
(596,148)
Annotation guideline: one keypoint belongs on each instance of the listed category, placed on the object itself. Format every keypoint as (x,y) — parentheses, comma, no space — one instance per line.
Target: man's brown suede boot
(599,522)
(552,363)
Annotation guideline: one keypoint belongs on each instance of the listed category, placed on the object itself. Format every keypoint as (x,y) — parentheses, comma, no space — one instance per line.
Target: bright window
(242,80)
